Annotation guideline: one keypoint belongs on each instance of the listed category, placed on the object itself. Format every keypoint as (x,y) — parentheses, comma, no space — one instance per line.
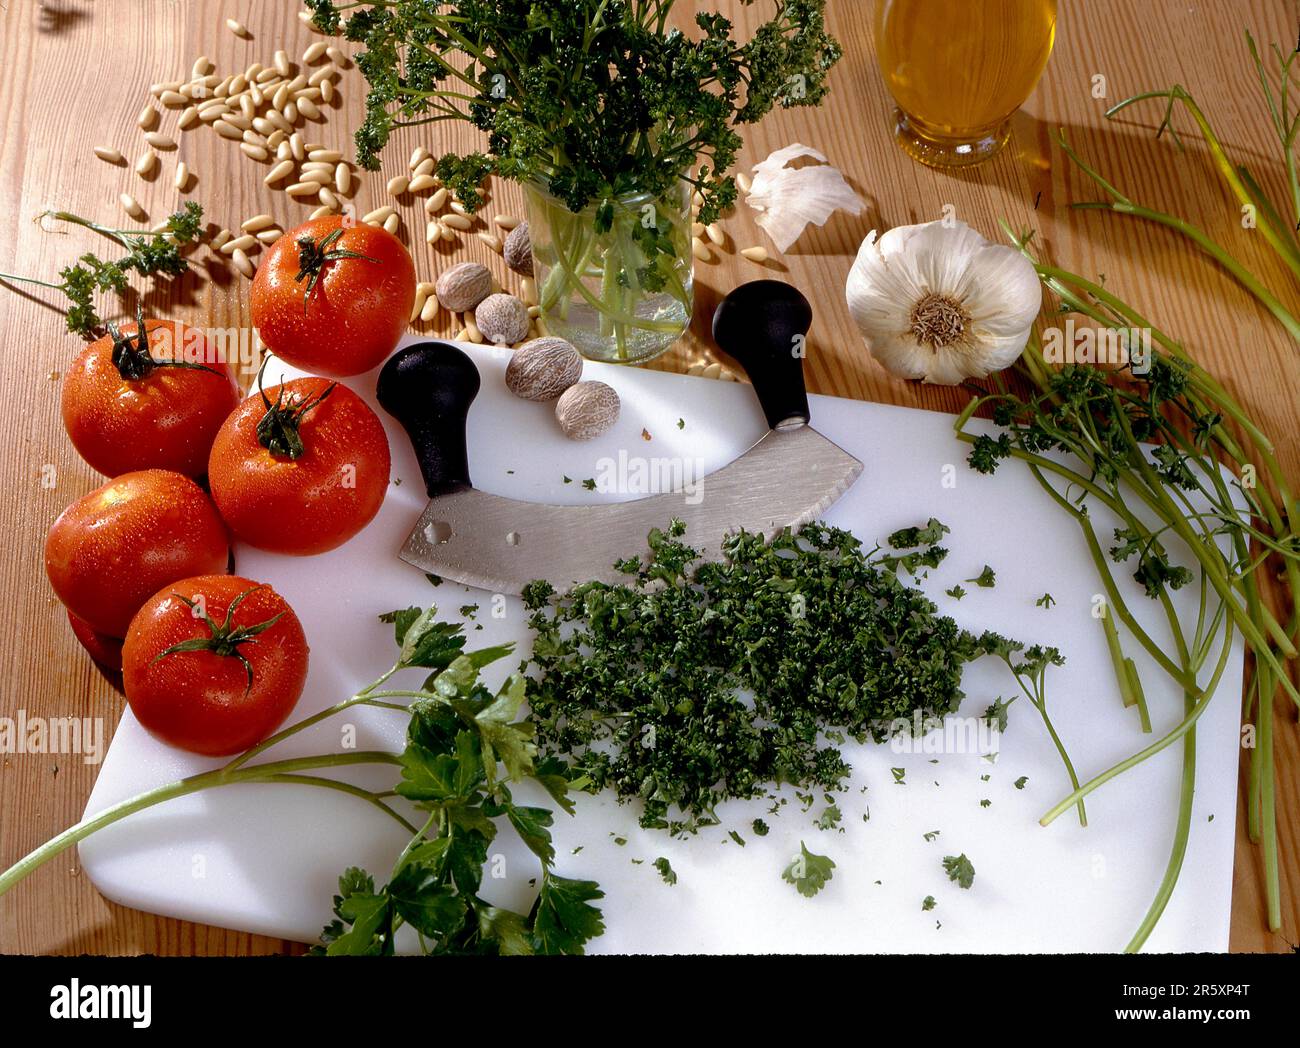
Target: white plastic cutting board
(266,858)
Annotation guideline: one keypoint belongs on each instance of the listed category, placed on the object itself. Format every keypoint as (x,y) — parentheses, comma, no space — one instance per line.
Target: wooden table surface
(76,73)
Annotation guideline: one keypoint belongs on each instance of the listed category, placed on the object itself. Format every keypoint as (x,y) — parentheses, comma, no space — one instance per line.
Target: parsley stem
(224,776)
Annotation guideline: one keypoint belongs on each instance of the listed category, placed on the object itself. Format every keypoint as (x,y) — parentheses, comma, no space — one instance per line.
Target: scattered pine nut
(421,297)
(173,98)
(433,232)
(188,118)
(296,144)
(392,224)
(471,329)
(281,62)
(254,152)
(109,155)
(158,140)
(314,53)
(455,221)
(398,185)
(148,118)
(228,130)
(448,234)
(697,229)
(491,240)
(144,167)
(242,243)
(327,91)
(715,233)
(252,225)
(424,167)
(132,207)
(308,108)
(755,254)
(182,178)
(343,178)
(460,208)
(506,222)
(242,263)
(436,202)
(700,250)
(418,157)
(337,56)
(278,172)
(430,309)
(166,85)
(303,189)
(327,197)
(744,183)
(237,27)
(320,212)
(202,66)
(528,291)
(378,215)
(222,237)
(322,76)
(270,236)
(328,156)
(247,107)
(290,112)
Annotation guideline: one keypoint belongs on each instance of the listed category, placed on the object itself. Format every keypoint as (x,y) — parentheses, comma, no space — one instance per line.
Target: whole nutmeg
(543,369)
(463,286)
(503,319)
(518,250)
(586,410)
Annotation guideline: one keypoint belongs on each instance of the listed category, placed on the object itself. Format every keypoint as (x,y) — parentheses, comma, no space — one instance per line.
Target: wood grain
(76,74)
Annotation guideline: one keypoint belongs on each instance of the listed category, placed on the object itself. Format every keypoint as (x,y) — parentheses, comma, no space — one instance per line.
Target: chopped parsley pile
(697,682)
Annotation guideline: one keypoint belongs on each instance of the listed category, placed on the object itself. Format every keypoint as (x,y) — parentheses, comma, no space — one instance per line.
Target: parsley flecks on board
(808,871)
(959,869)
(638,684)
(597,98)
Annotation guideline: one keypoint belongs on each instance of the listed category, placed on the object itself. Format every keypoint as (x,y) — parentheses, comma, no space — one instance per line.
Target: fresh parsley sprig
(598,98)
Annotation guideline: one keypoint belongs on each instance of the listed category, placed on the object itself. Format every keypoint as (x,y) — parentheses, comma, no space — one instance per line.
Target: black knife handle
(428,387)
(763,324)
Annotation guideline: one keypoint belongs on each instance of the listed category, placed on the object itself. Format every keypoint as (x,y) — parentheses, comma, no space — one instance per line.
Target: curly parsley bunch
(598,97)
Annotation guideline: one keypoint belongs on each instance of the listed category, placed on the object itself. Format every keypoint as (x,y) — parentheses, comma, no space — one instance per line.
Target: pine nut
(491,240)
(392,224)
(326,196)
(337,56)
(302,189)
(433,232)
(270,236)
(173,98)
(281,97)
(378,214)
(421,297)
(299,151)
(422,183)
(429,310)
(460,208)
(281,61)
(247,107)
(448,235)
(436,202)
(274,118)
(166,85)
(227,130)
(418,157)
(158,140)
(202,66)
(237,27)
(132,207)
(313,53)
(322,76)
(297,83)
(528,291)
(308,108)
(327,91)
(266,76)
(715,233)
(182,178)
(275,139)
(471,329)
(148,118)
(243,264)
(238,244)
(755,254)
(239,84)
(222,90)
(252,225)
(320,212)
(145,165)
(278,172)
(454,221)
(188,118)
(398,185)
(700,250)
(424,167)
(744,183)
(506,221)
(109,155)
(239,120)
(223,237)
(324,156)
(254,139)
(317,178)
(254,152)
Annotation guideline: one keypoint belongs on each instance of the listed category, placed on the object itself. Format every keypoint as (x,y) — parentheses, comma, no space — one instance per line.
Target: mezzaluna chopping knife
(789,477)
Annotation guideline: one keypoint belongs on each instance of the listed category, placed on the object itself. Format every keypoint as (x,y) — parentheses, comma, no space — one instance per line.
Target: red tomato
(334,298)
(112,549)
(203,700)
(148,409)
(105,650)
(305,475)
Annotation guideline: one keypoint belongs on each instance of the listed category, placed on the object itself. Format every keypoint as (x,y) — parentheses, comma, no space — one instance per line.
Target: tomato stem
(224,640)
(135,361)
(279,429)
(313,256)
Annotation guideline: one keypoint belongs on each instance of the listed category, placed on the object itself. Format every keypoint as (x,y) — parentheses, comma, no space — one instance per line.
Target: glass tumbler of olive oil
(959,69)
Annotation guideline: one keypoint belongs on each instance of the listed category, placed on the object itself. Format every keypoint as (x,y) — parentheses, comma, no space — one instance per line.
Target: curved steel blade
(499,544)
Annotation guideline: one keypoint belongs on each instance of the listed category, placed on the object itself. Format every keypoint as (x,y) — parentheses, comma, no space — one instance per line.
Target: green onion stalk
(1157,441)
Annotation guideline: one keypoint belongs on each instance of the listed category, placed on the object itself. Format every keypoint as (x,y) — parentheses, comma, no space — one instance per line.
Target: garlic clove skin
(938,302)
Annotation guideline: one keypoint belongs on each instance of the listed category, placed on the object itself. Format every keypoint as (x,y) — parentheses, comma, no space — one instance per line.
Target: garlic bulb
(787,199)
(938,302)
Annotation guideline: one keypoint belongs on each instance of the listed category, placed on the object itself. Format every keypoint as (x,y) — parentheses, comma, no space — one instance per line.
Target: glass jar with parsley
(614,278)
(613,114)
